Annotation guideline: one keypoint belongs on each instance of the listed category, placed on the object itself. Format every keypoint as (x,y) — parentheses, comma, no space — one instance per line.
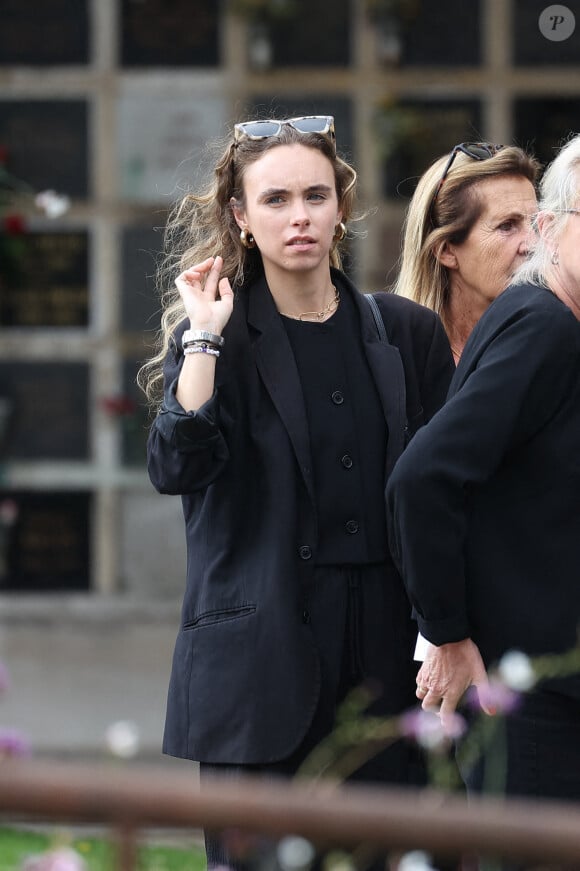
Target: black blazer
(245,677)
(485,504)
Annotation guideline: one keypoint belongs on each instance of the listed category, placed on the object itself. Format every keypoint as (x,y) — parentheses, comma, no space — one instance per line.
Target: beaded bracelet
(201,348)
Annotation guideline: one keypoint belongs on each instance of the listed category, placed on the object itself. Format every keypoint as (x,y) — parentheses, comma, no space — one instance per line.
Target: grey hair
(559,191)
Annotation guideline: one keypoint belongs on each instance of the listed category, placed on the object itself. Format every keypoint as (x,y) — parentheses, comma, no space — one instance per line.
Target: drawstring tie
(356,665)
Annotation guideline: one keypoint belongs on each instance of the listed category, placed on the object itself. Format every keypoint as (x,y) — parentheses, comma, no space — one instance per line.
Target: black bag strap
(377,316)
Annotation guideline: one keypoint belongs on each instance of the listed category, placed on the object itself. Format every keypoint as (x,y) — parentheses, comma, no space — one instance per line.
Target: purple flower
(12,743)
(429,730)
(495,697)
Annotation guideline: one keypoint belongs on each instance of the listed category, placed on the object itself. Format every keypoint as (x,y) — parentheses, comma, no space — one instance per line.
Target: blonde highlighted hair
(202,225)
(447,216)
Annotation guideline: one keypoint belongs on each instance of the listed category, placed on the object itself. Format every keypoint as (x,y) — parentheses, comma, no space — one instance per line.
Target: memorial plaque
(46,143)
(51,32)
(413,133)
(169,33)
(46,407)
(534,48)
(136,420)
(446,33)
(44,541)
(163,140)
(140,305)
(542,125)
(314,35)
(44,280)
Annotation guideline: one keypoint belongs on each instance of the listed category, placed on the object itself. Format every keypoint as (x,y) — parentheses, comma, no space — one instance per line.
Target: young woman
(283,412)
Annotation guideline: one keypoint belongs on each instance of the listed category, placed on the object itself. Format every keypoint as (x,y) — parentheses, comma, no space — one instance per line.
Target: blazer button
(337,397)
(305,552)
(347,461)
(306,618)
(351,527)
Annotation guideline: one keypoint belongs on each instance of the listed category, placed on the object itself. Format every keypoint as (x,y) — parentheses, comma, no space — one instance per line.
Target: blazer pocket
(221,615)
(414,422)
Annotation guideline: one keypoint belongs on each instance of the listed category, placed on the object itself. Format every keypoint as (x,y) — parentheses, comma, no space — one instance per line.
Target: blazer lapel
(277,368)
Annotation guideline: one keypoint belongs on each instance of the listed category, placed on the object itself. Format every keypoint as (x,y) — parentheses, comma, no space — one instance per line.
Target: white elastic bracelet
(201,349)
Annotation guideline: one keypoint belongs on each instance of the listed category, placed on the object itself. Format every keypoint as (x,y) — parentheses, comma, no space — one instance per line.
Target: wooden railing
(130,800)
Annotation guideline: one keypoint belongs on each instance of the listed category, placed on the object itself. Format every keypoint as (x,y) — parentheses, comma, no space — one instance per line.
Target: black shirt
(348,436)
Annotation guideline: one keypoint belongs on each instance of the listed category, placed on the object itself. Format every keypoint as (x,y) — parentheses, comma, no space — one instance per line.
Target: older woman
(484,507)
(466,232)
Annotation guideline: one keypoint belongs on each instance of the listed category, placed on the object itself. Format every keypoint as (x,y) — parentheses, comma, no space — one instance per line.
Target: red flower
(119,406)
(14,225)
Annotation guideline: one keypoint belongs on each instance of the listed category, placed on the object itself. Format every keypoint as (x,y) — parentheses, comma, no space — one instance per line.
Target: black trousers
(534,752)
(364,636)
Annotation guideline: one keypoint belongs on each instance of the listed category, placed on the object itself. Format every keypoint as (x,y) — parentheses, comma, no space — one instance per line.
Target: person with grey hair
(484,511)
(558,227)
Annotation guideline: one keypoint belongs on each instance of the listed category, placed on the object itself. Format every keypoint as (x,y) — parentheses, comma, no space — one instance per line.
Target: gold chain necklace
(318,316)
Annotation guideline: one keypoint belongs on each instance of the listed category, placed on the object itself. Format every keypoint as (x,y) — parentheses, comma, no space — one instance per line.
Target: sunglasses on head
(255,130)
(475,150)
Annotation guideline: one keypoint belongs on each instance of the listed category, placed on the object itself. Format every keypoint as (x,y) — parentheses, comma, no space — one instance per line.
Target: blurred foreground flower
(295,853)
(62,859)
(516,671)
(122,739)
(13,744)
(429,730)
(495,697)
(415,860)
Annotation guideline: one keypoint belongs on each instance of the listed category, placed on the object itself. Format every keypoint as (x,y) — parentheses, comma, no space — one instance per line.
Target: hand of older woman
(447,673)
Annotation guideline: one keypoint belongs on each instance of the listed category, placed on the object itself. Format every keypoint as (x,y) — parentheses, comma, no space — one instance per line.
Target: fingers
(433,697)
(482,689)
(203,277)
(447,710)
(225,289)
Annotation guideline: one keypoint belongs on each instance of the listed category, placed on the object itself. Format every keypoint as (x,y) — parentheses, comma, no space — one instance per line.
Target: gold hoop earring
(339,232)
(247,239)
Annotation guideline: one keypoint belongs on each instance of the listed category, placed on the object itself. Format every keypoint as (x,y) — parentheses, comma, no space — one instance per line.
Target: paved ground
(78,665)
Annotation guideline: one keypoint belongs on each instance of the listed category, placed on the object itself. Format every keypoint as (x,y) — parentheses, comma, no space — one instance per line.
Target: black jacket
(485,504)
(245,678)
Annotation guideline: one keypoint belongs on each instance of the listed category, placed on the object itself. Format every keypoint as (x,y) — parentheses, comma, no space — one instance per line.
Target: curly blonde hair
(202,225)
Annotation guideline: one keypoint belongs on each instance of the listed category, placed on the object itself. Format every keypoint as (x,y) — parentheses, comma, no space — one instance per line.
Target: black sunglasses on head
(475,150)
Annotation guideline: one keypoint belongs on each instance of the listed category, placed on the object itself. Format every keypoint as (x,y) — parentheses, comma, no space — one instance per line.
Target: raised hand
(208,299)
